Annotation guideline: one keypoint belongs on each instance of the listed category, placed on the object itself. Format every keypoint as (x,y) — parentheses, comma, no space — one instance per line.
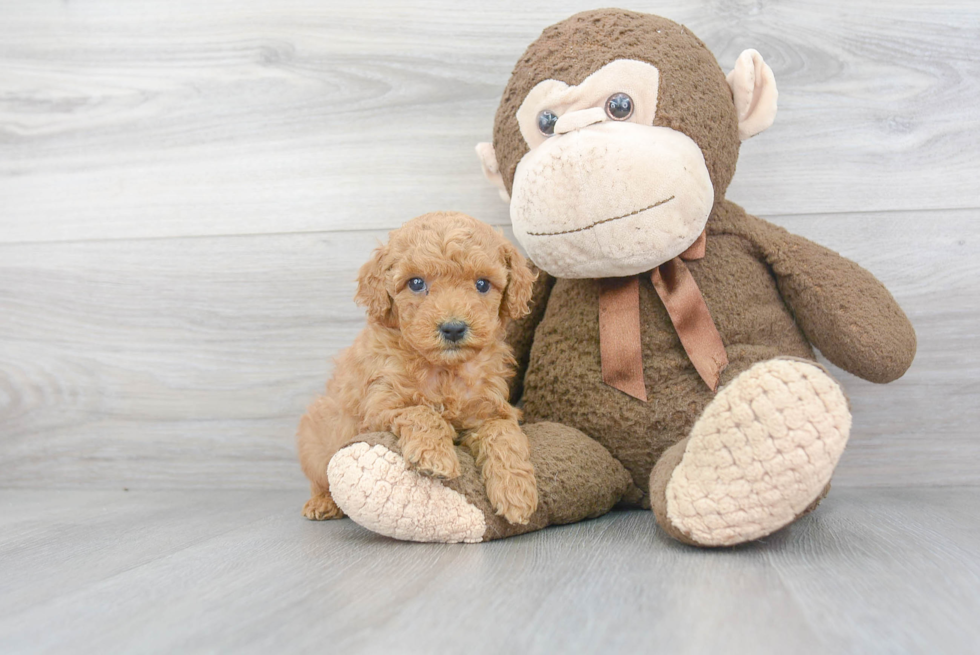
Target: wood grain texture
(187,362)
(173,118)
(187,190)
(871,571)
(56,543)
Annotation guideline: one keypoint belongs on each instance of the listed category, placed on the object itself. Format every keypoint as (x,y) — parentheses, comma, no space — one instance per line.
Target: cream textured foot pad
(763,450)
(375,488)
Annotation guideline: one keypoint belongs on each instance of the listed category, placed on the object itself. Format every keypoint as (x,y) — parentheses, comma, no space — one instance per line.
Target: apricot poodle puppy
(432,365)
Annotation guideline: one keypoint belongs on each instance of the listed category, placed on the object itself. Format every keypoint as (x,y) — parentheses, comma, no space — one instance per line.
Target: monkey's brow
(605,220)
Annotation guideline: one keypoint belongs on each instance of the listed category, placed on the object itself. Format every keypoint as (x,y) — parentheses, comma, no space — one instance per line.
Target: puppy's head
(448,282)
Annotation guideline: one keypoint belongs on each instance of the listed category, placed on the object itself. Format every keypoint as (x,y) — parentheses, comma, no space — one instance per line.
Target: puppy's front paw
(513,493)
(432,456)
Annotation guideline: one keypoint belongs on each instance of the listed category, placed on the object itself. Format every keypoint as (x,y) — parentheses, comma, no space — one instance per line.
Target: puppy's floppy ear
(520,284)
(371,290)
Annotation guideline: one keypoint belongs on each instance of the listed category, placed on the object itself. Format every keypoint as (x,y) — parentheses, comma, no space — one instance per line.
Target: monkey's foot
(758,458)
(375,487)
(373,484)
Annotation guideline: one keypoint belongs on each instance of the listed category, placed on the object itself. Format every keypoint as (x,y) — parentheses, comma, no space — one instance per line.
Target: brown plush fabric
(746,267)
(658,489)
(577,478)
(694,97)
(842,309)
(520,333)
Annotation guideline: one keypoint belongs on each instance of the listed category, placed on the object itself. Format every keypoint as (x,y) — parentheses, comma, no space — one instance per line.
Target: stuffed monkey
(668,359)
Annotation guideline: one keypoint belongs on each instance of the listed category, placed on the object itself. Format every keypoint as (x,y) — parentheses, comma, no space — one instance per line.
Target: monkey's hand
(842,309)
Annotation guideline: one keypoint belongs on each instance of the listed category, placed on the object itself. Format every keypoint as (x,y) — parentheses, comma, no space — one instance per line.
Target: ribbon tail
(692,321)
(697,249)
(619,335)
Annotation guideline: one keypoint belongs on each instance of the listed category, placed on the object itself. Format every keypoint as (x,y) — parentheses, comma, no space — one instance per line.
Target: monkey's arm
(842,309)
(520,333)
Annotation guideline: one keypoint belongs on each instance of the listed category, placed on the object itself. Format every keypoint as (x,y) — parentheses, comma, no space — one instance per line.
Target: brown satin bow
(619,324)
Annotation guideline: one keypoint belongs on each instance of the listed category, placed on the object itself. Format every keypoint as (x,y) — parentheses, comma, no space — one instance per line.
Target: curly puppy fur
(404,375)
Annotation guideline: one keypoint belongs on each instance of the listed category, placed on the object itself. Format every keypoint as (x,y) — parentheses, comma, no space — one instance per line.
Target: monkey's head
(616,135)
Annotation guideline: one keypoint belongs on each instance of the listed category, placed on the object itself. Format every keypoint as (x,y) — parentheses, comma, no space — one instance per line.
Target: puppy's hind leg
(322,432)
(320,506)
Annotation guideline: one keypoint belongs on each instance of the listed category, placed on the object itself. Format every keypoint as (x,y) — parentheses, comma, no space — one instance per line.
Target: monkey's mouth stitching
(605,220)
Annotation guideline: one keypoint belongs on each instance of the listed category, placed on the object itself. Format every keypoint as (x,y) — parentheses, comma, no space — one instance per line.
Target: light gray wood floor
(871,571)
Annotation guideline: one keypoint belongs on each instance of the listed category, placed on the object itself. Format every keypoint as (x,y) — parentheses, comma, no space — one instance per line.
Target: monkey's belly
(564,377)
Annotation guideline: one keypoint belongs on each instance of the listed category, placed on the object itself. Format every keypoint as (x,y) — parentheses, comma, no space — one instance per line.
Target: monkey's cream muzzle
(601,194)
(608,198)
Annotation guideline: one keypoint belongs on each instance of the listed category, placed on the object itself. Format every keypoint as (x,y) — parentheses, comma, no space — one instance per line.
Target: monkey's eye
(619,106)
(546,122)
(483,285)
(416,284)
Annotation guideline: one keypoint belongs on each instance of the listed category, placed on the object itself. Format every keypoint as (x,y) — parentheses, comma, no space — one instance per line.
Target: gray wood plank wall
(187,190)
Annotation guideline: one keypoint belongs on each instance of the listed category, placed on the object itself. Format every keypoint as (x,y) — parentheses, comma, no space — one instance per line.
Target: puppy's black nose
(453,331)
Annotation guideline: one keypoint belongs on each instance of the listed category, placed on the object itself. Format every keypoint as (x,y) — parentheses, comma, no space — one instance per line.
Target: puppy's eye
(546,122)
(483,285)
(416,284)
(619,106)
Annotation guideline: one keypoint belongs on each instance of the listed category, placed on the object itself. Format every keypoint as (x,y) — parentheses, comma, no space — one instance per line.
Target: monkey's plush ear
(488,159)
(371,290)
(754,91)
(520,284)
